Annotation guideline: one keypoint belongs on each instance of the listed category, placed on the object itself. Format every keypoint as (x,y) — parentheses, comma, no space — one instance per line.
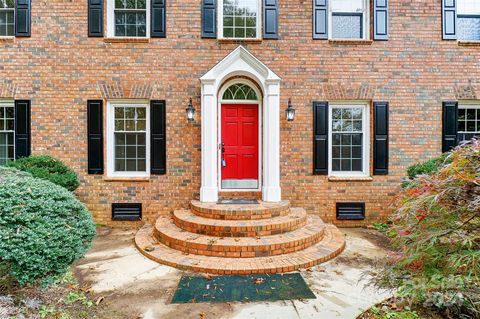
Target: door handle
(224,162)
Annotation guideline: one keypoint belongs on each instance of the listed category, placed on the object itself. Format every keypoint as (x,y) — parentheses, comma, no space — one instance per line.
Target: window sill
(350,42)
(350,179)
(469,43)
(127,179)
(225,40)
(126,40)
(7,39)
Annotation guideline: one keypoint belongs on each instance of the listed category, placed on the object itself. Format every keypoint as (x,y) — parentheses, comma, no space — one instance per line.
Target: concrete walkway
(141,288)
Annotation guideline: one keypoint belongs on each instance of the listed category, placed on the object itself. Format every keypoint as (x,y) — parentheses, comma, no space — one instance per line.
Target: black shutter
(449,134)
(22,128)
(380,138)
(209,19)
(380,20)
(95,136)
(22,18)
(270,19)
(95,18)
(320,19)
(158,149)
(158,19)
(449,19)
(320,138)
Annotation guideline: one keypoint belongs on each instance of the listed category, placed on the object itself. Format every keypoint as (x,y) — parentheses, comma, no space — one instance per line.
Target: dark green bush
(424,168)
(48,168)
(43,227)
(428,167)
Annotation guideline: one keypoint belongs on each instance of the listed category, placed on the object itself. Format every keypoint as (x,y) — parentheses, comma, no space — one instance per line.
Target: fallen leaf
(99,300)
(207,276)
(203,315)
(149,249)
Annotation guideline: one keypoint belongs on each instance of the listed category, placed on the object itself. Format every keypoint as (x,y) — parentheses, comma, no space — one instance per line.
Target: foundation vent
(126,212)
(350,211)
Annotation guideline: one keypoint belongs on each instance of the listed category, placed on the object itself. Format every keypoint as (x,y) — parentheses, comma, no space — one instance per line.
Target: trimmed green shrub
(43,227)
(48,168)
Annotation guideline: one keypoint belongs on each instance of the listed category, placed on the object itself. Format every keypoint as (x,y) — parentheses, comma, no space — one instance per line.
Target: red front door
(239,146)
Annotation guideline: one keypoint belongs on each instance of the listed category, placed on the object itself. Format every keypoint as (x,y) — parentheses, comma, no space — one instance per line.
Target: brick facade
(59,68)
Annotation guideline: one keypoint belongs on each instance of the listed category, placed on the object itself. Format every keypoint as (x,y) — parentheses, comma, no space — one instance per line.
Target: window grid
(240,18)
(347,139)
(240,92)
(7,133)
(130,138)
(347,19)
(468,19)
(468,122)
(7,18)
(130,18)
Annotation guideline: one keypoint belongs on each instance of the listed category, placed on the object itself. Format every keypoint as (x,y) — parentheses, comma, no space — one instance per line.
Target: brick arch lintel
(340,91)
(8,90)
(465,92)
(118,90)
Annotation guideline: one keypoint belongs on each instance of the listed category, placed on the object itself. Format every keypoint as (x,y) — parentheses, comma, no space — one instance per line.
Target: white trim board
(365,141)
(111,20)
(241,62)
(260,135)
(110,135)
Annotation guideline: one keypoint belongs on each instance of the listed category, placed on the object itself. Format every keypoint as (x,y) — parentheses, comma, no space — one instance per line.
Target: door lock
(224,163)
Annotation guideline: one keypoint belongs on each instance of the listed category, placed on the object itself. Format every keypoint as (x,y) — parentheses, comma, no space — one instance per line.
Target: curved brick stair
(170,235)
(235,212)
(240,239)
(185,219)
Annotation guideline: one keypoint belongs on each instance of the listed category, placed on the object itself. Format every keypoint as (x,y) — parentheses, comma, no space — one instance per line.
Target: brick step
(262,210)
(240,195)
(185,219)
(240,247)
(332,244)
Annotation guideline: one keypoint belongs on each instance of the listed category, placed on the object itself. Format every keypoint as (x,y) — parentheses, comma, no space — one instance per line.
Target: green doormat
(242,288)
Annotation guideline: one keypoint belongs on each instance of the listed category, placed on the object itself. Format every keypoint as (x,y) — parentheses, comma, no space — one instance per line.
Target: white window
(349,136)
(468,19)
(239,19)
(128,139)
(7,131)
(128,18)
(7,18)
(468,121)
(349,19)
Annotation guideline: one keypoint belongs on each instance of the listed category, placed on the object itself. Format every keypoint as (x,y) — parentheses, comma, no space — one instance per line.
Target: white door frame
(241,63)
(258,102)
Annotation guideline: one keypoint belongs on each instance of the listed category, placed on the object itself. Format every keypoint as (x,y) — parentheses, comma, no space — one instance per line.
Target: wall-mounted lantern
(290,111)
(190,112)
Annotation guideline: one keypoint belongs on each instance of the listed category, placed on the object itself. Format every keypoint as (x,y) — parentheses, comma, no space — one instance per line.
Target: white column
(209,188)
(271,191)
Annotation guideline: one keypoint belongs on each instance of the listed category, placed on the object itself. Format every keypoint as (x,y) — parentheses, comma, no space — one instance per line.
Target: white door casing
(240,62)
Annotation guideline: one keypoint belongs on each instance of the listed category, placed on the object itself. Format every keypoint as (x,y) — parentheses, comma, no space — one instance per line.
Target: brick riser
(246,212)
(239,242)
(186,220)
(331,246)
(176,238)
(240,195)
